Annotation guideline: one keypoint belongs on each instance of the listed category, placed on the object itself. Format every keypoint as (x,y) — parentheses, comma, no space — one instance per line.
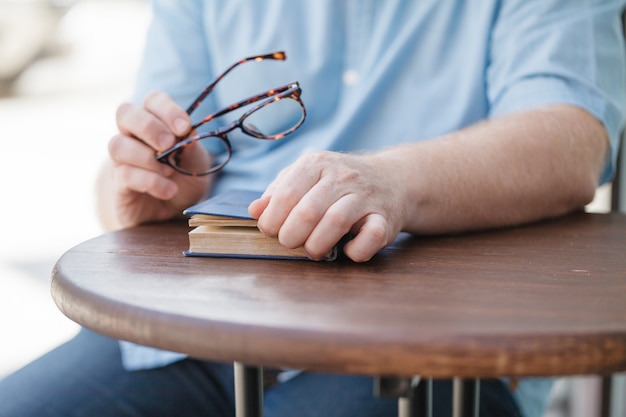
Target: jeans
(85,377)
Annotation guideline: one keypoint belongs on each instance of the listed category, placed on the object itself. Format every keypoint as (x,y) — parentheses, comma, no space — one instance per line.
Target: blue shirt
(379,73)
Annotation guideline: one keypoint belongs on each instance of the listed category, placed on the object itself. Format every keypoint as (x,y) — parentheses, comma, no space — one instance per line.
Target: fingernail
(165,140)
(181,126)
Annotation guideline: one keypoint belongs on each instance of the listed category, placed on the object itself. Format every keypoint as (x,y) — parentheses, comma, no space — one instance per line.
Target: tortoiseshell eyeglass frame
(291,90)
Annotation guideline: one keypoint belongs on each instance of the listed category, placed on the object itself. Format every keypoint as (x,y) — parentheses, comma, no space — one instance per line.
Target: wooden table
(543,299)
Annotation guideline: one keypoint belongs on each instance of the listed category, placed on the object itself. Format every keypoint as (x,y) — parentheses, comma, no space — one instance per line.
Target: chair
(613,403)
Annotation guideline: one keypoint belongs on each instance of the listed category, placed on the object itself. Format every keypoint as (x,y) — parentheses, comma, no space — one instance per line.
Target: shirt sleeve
(560,51)
(137,357)
(176,58)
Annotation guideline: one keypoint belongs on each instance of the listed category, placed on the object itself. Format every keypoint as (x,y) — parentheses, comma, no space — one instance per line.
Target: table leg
(422,399)
(414,394)
(248,390)
(465,397)
(605,396)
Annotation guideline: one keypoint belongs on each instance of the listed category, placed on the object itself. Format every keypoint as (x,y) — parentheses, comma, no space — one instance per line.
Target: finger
(291,185)
(167,110)
(124,150)
(301,220)
(135,121)
(308,214)
(255,209)
(258,206)
(335,223)
(372,235)
(133,179)
(157,123)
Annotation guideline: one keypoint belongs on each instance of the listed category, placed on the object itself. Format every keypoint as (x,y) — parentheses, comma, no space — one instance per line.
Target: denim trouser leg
(84,377)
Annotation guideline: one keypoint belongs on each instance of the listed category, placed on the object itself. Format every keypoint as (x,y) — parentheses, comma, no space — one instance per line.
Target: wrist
(401,168)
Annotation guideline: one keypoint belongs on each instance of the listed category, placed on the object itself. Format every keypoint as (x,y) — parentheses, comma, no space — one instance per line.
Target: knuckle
(122,110)
(315,157)
(337,219)
(307,215)
(134,122)
(152,98)
(377,235)
(143,126)
(348,175)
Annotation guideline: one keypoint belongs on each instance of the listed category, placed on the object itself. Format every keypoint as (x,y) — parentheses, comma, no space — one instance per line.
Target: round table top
(543,299)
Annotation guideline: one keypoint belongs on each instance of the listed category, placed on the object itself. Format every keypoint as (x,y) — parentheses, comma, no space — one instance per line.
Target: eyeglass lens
(192,162)
(274,120)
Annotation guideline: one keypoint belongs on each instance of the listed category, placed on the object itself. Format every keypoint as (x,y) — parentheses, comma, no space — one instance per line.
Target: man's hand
(326,195)
(134,187)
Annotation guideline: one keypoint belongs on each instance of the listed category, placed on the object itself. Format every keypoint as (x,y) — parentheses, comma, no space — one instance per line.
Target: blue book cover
(232,203)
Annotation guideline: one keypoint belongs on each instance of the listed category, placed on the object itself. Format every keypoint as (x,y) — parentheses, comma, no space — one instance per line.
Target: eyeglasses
(279,113)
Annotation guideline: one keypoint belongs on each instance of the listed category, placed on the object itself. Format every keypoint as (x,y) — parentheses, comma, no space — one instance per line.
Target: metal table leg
(414,394)
(248,390)
(605,396)
(465,397)
(422,398)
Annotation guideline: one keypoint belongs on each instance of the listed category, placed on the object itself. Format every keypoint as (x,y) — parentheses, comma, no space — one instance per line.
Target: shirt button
(351,77)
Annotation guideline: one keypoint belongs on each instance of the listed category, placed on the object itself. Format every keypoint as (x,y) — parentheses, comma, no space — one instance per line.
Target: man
(422,117)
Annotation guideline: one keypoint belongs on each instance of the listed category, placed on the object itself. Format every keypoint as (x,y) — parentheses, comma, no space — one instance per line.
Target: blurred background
(65,65)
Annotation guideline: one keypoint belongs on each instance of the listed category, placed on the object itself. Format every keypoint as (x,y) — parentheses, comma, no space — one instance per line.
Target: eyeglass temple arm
(279,56)
(271,93)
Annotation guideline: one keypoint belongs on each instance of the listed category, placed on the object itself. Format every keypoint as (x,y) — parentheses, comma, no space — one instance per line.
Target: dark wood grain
(544,299)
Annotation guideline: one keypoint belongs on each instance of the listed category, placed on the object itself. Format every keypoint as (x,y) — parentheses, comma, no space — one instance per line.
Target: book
(222,227)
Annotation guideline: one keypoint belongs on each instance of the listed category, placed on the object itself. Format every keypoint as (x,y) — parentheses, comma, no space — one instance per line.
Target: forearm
(502,172)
